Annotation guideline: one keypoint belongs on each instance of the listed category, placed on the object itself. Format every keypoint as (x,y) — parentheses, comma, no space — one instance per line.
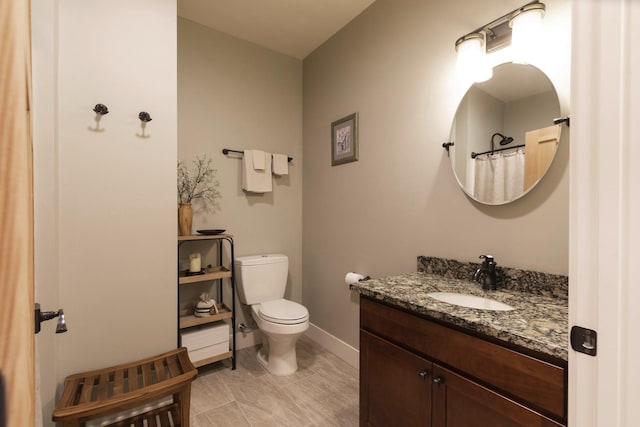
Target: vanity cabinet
(416,372)
(202,331)
(394,385)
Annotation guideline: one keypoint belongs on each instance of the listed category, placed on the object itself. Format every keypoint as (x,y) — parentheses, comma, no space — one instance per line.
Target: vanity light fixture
(526,24)
(472,62)
(518,28)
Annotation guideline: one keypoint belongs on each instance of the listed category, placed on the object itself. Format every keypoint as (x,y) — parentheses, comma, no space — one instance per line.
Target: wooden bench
(103,392)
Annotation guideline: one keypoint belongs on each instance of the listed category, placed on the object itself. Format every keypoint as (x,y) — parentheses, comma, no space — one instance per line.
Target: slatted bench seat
(103,392)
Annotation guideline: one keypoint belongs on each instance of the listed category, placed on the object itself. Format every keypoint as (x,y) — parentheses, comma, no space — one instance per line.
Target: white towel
(280,164)
(259,157)
(256,181)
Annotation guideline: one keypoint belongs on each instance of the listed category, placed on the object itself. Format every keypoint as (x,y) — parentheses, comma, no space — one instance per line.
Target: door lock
(584,340)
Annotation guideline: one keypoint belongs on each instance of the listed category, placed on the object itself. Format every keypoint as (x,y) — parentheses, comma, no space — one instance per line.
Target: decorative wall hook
(144,116)
(101,109)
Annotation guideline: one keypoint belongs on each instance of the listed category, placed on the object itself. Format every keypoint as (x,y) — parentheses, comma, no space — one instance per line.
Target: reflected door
(540,148)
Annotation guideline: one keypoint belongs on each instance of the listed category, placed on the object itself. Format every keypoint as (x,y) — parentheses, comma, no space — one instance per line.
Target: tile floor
(323,392)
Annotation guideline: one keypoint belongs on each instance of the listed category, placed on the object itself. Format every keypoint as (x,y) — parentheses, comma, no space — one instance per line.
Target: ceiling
(293,27)
(516,81)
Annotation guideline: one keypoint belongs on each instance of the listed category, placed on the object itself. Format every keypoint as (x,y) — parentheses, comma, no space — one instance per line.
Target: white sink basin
(470,301)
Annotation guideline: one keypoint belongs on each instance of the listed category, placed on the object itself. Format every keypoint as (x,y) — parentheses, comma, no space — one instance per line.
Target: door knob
(42,316)
(438,380)
(423,374)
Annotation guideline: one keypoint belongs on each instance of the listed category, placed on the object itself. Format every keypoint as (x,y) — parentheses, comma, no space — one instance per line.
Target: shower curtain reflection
(499,177)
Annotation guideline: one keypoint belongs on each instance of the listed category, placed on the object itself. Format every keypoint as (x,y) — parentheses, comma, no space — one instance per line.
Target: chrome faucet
(487,273)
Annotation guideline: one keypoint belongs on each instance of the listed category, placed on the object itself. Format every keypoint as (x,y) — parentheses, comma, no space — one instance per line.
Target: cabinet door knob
(438,380)
(423,375)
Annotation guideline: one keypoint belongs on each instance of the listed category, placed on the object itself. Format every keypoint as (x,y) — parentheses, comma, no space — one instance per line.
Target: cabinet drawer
(539,384)
(205,335)
(459,402)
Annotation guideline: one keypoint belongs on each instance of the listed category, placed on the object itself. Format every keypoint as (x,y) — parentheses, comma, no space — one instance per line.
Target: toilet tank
(261,278)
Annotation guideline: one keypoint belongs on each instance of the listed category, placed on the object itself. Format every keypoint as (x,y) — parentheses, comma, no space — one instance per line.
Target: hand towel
(255,181)
(280,164)
(258,159)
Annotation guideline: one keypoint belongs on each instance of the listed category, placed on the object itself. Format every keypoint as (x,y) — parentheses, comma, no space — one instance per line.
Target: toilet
(261,282)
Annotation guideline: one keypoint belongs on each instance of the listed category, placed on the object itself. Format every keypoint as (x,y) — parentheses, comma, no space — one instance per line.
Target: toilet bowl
(261,283)
(282,322)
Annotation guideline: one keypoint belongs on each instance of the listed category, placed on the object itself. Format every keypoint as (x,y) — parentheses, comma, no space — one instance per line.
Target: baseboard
(250,338)
(335,345)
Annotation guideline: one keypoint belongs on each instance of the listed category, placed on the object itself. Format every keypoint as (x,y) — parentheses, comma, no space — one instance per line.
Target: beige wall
(105,200)
(235,94)
(395,66)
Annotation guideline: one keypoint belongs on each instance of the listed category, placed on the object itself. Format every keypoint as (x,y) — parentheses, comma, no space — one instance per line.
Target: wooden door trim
(16,215)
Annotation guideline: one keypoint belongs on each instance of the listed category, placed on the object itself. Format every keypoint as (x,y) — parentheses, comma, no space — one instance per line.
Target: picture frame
(344,140)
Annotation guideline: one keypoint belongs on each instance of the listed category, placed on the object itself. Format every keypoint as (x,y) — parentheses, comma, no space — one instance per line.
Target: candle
(194,263)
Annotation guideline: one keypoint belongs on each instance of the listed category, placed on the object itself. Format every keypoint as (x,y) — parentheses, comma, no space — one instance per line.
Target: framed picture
(344,140)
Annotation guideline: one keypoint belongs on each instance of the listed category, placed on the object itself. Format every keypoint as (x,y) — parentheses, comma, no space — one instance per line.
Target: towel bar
(226,151)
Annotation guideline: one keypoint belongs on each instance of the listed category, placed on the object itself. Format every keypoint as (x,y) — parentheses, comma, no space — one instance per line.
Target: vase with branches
(199,184)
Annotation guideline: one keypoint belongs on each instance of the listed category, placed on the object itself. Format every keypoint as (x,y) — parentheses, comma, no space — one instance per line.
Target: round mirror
(504,136)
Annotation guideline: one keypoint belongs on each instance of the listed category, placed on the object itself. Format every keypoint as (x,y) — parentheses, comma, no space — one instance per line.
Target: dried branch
(202,185)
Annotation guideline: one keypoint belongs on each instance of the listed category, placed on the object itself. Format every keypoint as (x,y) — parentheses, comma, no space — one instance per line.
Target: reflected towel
(280,164)
(255,181)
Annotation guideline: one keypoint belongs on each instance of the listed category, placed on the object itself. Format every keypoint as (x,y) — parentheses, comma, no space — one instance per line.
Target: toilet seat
(283,312)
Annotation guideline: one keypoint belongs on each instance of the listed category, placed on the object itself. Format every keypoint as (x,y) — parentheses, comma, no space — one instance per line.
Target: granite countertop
(539,322)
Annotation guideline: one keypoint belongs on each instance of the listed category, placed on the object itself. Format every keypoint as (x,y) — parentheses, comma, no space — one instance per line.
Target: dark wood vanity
(415,371)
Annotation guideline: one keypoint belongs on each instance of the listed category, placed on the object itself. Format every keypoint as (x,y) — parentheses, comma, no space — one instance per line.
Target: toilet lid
(283,311)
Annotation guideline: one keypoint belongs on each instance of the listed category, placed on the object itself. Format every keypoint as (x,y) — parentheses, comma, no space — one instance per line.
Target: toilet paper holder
(353,277)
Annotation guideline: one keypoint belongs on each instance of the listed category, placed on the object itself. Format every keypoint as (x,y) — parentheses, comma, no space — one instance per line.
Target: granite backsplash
(534,282)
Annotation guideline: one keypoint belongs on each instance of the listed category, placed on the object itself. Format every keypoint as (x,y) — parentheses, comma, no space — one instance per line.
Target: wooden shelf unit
(204,237)
(226,311)
(218,272)
(187,319)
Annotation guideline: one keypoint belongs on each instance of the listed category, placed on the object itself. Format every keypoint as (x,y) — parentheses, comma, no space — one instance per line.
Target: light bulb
(473,65)
(526,26)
